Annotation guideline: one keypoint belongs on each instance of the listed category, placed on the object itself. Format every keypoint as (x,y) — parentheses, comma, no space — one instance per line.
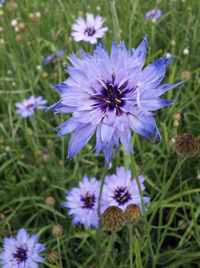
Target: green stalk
(115,21)
(112,237)
(130,227)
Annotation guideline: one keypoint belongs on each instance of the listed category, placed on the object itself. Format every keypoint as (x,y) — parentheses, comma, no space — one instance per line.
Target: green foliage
(25,180)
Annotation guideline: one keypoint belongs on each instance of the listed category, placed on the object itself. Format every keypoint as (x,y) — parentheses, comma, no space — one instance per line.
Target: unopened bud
(187,145)
(171,142)
(45,75)
(113,218)
(38,15)
(46,156)
(14,23)
(52,256)
(176,123)
(57,230)
(185,76)
(182,224)
(177,116)
(21,26)
(80,14)
(132,213)
(31,17)
(173,43)
(50,201)
(185,51)
(19,38)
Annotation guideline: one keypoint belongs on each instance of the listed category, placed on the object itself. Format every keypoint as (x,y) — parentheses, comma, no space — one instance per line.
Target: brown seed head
(50,201)
(21,26)
(185,76)
(177,116)
(45,75)
(52,256)
(113,218)
(19,38)
(182,224)
(31,17)
(57,230)
(187,145)
(132,213)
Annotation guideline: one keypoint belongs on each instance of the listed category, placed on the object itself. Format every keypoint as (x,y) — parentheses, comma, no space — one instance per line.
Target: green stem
(112,237)
(130,227)
(115,21)
(66,258)
(59,254)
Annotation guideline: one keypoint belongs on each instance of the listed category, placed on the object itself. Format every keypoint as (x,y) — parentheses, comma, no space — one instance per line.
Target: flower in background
(27,106)
(153,14)
(2,1)
(21,251)
(111,95)
(83,202)
(90,30)
(119,190)
(50,57)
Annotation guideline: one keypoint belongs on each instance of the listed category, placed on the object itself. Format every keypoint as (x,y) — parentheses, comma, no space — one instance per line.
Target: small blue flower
(90,30)
(120,190)
(27,106)
(50,57)
(83,202)
(111,95)
(21,251)
(157,14)
(2,1)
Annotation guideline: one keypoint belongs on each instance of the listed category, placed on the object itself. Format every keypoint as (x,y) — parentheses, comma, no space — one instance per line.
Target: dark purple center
(88,200)
(89,31)
(122,195)
(30,105)
(20,255)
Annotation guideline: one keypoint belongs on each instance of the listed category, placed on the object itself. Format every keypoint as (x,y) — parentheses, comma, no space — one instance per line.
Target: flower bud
(1,29)
(52,256)
(173,43)
(21,26)
(38,153)
(2,216)
(38,15)
(171,142)
(187,145)
(12,6)
(2,41)
(182,224)
(176,123)
(113,218)
(185,76)
(168,55)
(45,75)
(80,14)
(177,116)
(19,38)
(132,213)
(50,201)
(14,23)
(31,17)
(185,51)
(57,230)
(46,156)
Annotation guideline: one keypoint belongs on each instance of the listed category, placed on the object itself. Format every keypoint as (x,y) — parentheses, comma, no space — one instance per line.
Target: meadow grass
(26,180)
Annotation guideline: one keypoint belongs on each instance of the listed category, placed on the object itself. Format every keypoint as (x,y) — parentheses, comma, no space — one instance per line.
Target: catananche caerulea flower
(27,106)
(2,1)
(21,251)
(157,14)
(90,30)
(83,202)
(119,190)
(50,57)
(111,95)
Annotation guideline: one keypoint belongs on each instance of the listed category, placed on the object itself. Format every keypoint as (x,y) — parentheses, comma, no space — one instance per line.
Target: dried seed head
(14,23)
(171,142)
(187,145)
(12,6)
(177,116)
(185,51)
(185,76)
(50,201)
(133,213)
(38,15)
(31,17)
(173,43)
(182,224)
(57,230)
(19,38)
(21,26)
(113,218)
(52,256)
(80,14)
(45,75)
(2,41)
(176,123)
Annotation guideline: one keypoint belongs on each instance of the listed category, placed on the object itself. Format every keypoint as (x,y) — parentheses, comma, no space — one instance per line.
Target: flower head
(90,30)
(27,106)
(50,57)
(21,251)
(157,14)
(2,1)
(83,202)
(111,94)
(119,190)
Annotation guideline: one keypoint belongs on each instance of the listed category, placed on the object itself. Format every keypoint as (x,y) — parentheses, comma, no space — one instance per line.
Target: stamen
(117,100)
(118,111)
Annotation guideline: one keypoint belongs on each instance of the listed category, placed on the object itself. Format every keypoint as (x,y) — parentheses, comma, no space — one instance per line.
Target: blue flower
(83,202)
(50,57)
(2,1)
(90,30)
(27,106)
(21,251)
(111,94)
(119,190)
(157,14)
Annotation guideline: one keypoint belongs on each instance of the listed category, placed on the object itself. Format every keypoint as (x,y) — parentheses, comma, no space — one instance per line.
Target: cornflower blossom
(90,30)
(2,1)
(50,57)
(157,14)
(27,106)
(83,202)
(111,94)
(21,251)
(119,190)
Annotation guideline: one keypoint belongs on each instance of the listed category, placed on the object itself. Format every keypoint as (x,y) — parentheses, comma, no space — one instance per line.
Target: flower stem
(59,253)
(130,227)
(115,21)
(112,237)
